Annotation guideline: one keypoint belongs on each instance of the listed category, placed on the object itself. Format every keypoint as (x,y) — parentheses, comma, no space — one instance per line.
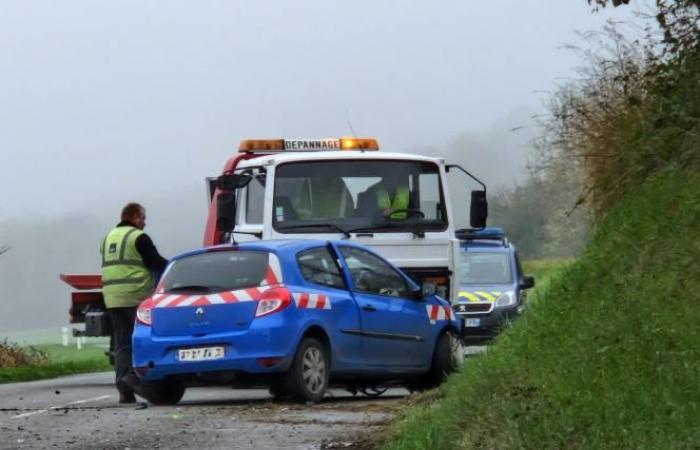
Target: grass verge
(59,361)
(607,357)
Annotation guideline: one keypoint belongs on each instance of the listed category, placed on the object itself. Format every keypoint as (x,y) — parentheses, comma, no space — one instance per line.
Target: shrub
(12,355)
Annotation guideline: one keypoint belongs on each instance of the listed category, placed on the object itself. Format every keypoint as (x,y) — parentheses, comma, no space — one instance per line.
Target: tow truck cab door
(394,326)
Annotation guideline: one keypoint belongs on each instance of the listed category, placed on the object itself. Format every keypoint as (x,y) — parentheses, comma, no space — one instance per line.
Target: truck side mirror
(527,282)
(233,181)
(478,210)
(226,211)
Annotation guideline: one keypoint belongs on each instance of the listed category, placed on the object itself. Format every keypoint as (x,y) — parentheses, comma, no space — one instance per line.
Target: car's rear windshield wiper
(319,225)
(192,287)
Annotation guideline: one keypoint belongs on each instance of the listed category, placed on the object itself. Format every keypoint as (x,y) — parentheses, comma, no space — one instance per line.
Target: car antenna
(347,117)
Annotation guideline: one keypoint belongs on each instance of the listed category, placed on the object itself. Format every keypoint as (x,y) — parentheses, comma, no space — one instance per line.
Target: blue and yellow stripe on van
(479,296)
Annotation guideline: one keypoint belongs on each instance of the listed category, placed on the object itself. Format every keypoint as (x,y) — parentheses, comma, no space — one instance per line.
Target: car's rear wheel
(307,379)
(166,392)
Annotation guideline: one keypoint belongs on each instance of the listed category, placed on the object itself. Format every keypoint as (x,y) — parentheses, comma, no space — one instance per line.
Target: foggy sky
(161,92)
(107,102)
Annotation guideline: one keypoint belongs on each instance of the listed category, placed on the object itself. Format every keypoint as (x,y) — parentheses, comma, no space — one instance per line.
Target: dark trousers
(122,328)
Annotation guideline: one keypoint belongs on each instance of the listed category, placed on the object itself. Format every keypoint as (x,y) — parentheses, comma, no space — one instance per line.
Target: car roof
(274,246)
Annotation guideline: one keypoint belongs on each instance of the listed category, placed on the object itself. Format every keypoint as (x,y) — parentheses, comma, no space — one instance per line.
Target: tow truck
(327,189)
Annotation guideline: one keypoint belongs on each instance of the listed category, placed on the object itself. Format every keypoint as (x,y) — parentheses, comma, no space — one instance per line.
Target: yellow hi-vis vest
(400,201)
(125,279)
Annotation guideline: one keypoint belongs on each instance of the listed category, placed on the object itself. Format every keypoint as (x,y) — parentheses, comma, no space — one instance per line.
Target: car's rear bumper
(489,325)
(252,351)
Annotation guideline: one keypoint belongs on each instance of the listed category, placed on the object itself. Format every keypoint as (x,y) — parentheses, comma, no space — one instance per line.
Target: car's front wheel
(448,356)
(166,392)
(307,379)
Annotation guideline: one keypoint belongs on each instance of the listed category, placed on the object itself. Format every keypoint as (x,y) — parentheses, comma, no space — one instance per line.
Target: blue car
(493,288)
(295,316)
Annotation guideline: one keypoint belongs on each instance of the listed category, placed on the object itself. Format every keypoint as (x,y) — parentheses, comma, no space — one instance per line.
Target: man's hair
(130,210)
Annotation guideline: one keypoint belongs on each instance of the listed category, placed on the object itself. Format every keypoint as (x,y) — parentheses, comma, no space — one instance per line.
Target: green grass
(544,269)
(61,361)
(607,357)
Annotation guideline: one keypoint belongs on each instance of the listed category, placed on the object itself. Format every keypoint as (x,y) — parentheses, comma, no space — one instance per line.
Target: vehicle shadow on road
(270,402)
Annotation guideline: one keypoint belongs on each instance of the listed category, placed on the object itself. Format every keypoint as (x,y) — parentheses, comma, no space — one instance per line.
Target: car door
(320,271)
(394,327)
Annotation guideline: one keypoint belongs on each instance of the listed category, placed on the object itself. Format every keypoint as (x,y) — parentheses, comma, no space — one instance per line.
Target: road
(81,412)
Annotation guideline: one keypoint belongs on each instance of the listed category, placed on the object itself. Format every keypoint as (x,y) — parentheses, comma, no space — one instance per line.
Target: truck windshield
(216,272)
(485,268)
(369,195)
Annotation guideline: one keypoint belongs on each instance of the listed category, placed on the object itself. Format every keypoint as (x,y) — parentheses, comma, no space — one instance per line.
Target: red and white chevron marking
(311,301)
(439,312)
(274,271)
(241,295)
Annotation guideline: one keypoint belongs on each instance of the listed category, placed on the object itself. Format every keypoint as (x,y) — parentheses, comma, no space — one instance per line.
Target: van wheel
(165,392)
(307,379)
(448,356)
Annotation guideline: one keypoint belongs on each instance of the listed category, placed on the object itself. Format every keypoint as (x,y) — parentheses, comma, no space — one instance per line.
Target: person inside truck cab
(324,197)
(385,197)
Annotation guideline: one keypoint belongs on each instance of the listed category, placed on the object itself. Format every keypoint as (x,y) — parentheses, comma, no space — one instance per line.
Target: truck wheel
(447,357)
(307,379)
(165,392)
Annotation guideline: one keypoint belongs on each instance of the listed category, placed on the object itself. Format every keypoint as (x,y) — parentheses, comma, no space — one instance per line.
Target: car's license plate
(472,323)
(200,354)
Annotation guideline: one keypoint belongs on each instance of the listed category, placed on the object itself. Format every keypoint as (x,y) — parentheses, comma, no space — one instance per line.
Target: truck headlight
(506,299)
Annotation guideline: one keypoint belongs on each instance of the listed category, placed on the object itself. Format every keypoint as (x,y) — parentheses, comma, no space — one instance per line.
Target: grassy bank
(607,357)
(59,361)
(544,269)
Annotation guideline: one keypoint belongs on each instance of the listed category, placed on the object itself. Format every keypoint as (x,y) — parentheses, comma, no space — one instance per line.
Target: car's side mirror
(527,282)
(427,289)
(478,209)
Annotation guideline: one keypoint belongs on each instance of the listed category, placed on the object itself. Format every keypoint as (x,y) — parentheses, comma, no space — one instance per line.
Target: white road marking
(52,408)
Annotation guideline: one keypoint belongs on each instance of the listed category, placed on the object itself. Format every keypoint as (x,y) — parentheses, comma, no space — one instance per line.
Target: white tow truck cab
(396,203)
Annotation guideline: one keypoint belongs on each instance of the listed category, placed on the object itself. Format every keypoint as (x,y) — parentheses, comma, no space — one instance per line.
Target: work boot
(127,397)
(129,383)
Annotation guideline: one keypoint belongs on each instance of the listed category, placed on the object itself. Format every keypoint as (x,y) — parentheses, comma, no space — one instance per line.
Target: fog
(107,102)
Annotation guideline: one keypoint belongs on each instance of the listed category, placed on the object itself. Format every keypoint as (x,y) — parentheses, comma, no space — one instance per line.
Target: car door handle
(369,308)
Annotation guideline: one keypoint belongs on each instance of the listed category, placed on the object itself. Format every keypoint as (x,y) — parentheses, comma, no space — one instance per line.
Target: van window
(485,268)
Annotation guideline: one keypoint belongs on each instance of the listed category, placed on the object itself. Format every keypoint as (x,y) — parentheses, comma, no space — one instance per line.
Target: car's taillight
(273,300)
(143,313)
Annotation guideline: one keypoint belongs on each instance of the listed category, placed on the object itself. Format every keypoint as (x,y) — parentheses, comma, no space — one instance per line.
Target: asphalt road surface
(81,412)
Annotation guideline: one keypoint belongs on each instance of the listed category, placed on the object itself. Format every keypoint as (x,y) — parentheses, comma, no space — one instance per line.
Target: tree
(677,19)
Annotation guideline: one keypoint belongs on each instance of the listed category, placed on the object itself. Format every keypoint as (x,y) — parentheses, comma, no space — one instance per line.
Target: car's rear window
(485,268)
(219,271)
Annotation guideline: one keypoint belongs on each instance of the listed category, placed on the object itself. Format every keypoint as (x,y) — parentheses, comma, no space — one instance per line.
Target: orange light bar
(358,144)
(251,145)
(307,145)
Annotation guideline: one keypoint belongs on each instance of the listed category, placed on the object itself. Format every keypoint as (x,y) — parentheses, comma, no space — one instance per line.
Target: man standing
(130,264)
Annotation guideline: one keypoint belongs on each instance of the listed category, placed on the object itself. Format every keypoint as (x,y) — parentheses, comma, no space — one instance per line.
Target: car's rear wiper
(192,287)
(319,225)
